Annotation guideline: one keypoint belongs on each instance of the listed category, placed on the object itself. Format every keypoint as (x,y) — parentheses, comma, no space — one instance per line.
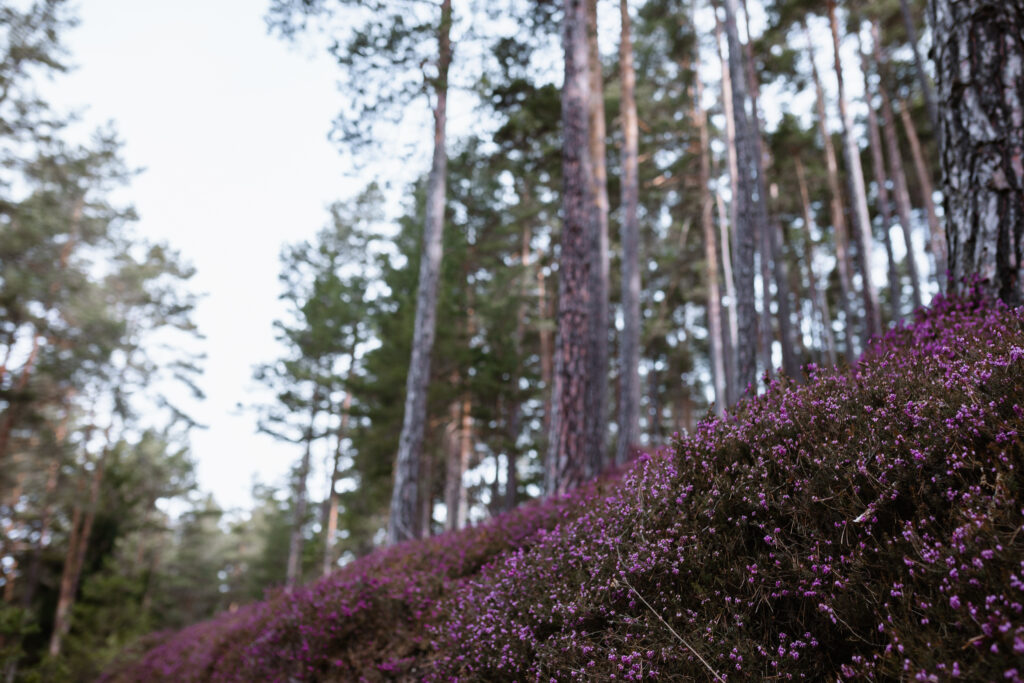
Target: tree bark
(404,498)
(629,364)
(838,216)
(881,181)
(817,293)
(710,248)
(750,206)
(979,56)
(937,237)
(597,385)
(568,442)
(858,192)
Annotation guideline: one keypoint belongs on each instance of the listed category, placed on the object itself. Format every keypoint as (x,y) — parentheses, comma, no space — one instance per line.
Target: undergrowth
(864,524)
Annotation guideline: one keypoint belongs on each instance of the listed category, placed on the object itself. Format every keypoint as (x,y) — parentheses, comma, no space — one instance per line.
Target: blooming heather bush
(365,621)
(864,525)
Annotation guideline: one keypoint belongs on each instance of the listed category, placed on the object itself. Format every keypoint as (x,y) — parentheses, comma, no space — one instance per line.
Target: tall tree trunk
(567,445)
(293,577)
(838,216)
(545,318)
(922,75)
(74,560)
(750,210)
(454,468)
(858,193)
(730,292)
(710,248)
(817,293)
(730,125)
(899,177)
(597,375)
(979,57)
(937,237)
(401,520)
(629,364)
(329,512)
(881,181)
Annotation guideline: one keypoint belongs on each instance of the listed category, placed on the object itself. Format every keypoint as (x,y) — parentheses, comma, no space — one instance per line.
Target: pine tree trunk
(629,364)
(404,499)
(710,248)
(979,56)
(750,210)
(568,443)
(899,182)
(729,332)
(454,469)
(293,576)
(597,375)
(329,513)
(74,561)
(817,293)
(881,182)
(858,192)
(922,75)
(937,237)
(838,215)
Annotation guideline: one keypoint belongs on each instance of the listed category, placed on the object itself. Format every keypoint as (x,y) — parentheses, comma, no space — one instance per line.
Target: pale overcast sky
(231,127)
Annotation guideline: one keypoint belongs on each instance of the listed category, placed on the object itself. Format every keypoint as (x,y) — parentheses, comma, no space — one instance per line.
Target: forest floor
(865,523)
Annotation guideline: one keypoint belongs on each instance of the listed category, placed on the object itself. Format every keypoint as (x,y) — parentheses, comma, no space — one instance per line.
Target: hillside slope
(863,525)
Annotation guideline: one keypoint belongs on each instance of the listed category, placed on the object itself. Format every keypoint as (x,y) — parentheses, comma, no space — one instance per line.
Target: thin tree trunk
(881,181)
(979,57)
(403,513)
(454,469)
(922,75)
(858,192)
(515,409)
(568,443)
(301,499)
(937,237)
(730,127)
(710,248)
(817,293)
(330,509)
(629,365)
(78,546)
(899,177)
(597,375)
(838,215)
(750,213)
(730,291)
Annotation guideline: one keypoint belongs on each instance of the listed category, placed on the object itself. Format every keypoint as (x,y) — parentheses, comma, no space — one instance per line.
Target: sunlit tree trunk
(858,193)
(404,498)
(629,365)
(567,445)
(979,57)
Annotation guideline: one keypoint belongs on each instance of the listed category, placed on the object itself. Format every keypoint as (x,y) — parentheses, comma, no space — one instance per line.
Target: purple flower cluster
(864,525)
